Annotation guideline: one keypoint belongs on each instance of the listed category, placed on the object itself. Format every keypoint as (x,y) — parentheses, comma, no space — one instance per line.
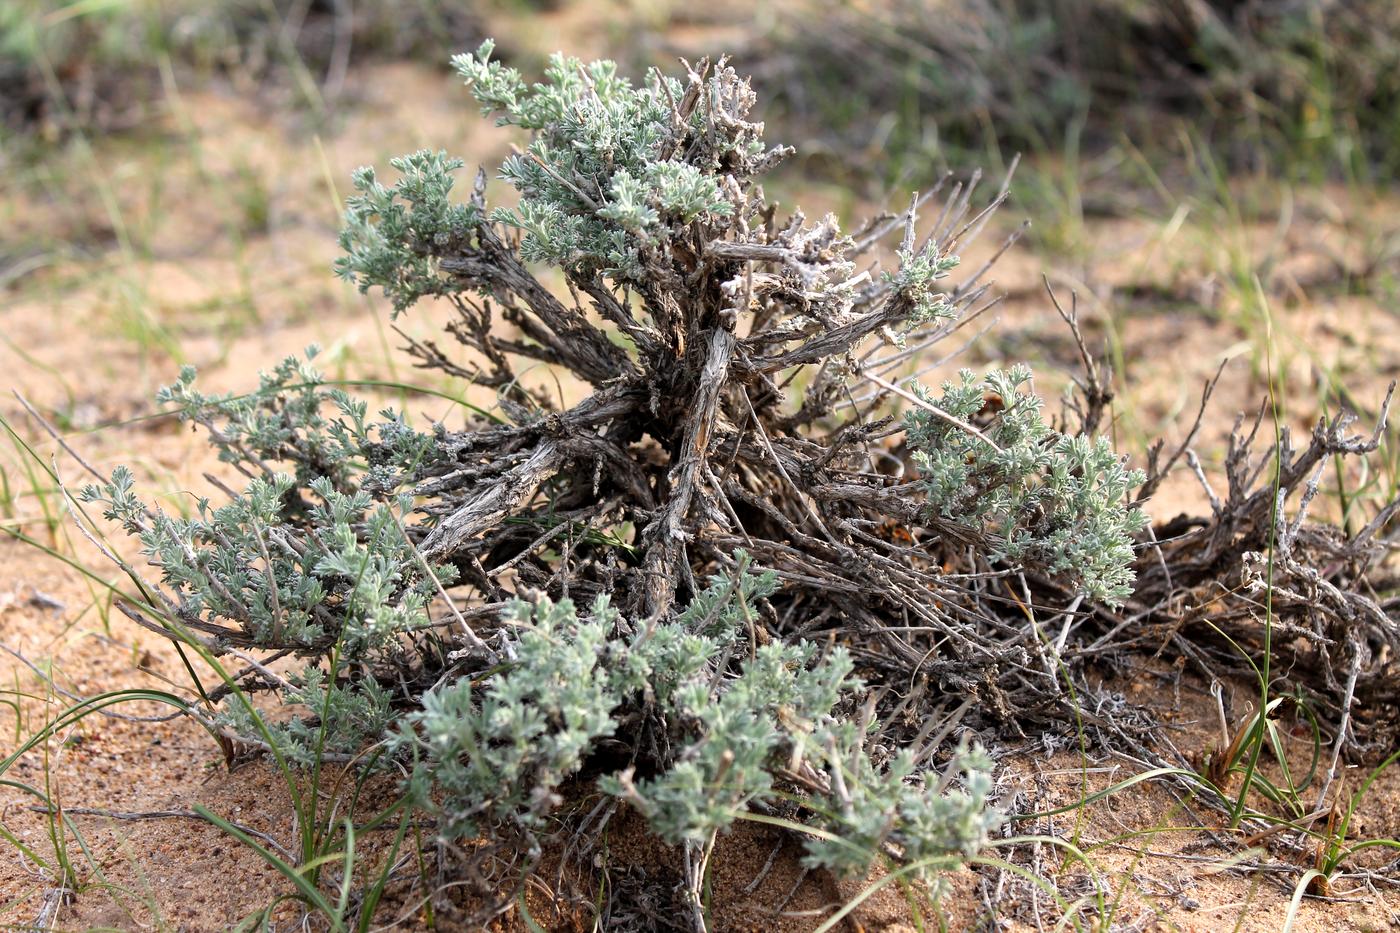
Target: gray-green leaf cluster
(1045,497)
(495,755)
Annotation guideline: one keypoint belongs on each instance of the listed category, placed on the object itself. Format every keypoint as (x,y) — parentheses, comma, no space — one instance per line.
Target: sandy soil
(89,335)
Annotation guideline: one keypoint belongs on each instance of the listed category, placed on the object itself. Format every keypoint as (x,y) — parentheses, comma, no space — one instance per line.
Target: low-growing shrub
(762,585)
(1305,86)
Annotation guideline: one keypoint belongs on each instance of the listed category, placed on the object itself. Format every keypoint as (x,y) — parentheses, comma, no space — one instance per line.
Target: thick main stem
(666,535)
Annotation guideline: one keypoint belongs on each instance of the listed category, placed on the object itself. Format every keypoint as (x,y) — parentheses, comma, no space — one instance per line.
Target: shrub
(1045,498)
(721,434)
(1309,83)
(85,66)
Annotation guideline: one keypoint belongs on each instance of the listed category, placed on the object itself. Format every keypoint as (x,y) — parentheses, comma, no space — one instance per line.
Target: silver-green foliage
(1047,498)
(388,231)
(494,755)
(589,122)
(595,186)
(305,560)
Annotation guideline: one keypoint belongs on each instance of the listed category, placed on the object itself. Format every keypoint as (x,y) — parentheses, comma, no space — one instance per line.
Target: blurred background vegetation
(95,65)
(1213,177)
(1304,89)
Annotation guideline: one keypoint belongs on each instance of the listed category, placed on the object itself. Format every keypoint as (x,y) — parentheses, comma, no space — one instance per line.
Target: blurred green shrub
(95,64)
(1307,86)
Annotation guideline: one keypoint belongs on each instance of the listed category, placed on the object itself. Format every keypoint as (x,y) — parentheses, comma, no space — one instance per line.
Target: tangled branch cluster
(737,368)
(741,369)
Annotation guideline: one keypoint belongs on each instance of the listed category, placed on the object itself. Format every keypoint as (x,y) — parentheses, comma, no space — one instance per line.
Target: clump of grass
(1305,88)
(94,66)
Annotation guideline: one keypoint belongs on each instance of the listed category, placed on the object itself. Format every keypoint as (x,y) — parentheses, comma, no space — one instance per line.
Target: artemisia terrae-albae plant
(688,584)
